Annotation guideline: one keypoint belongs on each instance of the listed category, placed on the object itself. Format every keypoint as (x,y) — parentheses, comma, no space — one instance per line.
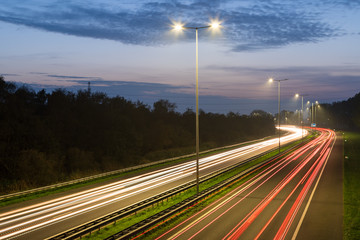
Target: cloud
(321,83)
(248,26)
(113,88)
(9,74)
(64,77)
(38,73)
(337,82)
(273,29)
(148,93)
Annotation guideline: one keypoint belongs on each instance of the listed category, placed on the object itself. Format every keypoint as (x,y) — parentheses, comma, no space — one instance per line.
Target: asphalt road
(324,219)
(45,217)
(274,204)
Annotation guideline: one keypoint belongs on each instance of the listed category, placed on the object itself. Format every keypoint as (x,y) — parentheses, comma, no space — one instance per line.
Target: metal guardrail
(111,218)
(85,179)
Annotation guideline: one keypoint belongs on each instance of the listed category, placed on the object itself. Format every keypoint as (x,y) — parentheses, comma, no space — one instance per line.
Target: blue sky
(127,48)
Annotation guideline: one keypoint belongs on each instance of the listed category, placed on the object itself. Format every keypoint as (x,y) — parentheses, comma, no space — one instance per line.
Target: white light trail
(40,215)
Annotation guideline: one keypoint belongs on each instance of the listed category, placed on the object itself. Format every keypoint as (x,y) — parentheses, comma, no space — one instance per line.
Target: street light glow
(297,95)
(215,25)
(271,80)
(178,27)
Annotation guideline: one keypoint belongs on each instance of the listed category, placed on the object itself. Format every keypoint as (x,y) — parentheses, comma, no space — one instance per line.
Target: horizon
(114,46)
(187,102)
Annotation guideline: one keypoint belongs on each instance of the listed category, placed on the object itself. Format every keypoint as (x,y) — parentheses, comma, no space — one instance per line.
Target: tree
(164,106)
(50,137)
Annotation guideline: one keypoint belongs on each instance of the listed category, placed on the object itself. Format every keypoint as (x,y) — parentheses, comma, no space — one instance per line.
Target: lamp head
(271,80)
(215,25)
(178,27)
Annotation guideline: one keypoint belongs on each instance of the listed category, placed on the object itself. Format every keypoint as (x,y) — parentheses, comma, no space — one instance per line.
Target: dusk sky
(128,48)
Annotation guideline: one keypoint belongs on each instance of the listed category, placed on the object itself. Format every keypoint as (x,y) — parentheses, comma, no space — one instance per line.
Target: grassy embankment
(352,186)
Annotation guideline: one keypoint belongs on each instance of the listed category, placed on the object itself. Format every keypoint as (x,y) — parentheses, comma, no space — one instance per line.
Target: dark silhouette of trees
(343,115)
(51,137)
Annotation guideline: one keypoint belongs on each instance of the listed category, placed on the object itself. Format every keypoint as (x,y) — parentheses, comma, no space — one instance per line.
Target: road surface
(289,199)
(46,217)
(324,219)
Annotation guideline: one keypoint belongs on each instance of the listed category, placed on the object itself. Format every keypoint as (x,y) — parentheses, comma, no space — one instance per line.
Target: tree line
(341,115)
(50,137)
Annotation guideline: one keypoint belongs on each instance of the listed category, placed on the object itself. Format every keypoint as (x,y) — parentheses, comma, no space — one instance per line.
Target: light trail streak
(316,164)
(72,213)
(295,208)
(245,223)
(234,193)
(222,201)
(275,169)
(311,196)
(40,215)
(308,161)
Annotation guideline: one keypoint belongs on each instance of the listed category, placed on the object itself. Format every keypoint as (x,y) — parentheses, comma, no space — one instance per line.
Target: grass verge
(351,186)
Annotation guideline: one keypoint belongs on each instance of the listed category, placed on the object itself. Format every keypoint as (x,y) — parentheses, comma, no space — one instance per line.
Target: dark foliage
(46,138)
(344,115)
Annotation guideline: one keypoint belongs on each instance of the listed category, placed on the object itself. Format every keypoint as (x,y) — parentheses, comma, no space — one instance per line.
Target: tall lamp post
(279,81)
(308,109)
(312,114)
(179,27)
(316,104)
(302,111)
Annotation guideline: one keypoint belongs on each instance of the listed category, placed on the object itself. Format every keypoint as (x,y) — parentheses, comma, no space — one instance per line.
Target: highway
(45,217)
(271,204)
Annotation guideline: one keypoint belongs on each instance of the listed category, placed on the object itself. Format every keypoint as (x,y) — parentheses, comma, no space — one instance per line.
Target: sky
(128,48)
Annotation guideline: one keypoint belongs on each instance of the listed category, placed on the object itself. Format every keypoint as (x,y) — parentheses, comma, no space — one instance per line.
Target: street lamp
(312,114)
(295,115)
(302,110)
(316,104)
(313,111)
(308,110)
(278,80)
(179,27)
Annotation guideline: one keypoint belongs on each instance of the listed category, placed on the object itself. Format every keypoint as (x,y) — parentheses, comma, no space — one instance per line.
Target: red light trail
(283,187)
